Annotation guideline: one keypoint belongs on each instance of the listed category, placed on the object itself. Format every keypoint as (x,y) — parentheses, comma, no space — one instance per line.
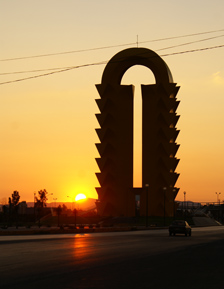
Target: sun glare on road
(80,197)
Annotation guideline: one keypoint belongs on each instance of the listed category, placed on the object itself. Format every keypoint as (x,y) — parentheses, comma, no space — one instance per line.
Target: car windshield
(178,223)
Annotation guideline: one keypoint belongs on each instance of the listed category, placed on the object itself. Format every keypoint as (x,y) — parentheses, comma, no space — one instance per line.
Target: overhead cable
(191,42)
(111,46)
(53,72)
(104,62)
(59,68)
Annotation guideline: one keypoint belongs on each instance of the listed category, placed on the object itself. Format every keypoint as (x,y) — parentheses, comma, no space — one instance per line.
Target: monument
(116,195)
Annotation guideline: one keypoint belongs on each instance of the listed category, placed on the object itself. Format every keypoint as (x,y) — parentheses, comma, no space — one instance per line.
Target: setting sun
(80,197)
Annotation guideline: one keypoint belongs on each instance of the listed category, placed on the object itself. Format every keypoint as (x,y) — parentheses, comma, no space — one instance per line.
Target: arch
(138,75)
(116,194)
(127,58)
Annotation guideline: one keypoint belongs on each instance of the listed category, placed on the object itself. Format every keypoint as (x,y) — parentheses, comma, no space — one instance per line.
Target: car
(179,227)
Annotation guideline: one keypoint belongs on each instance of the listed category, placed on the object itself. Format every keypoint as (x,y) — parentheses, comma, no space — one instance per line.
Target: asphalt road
(139,259)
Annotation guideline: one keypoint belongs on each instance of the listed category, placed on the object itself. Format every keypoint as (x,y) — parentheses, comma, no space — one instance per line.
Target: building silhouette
(116,195)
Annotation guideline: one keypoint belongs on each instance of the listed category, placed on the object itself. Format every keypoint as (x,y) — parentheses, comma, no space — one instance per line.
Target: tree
(15,199)
(14,205)
(41,200)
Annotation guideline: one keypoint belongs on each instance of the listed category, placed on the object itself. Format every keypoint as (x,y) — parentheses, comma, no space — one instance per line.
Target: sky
(47,124)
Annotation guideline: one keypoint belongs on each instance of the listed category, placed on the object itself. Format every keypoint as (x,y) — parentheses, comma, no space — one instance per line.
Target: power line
(104,62)
(193,50)
(191,42)
(35,70)
(111,46)
(53,72)
(182,36)
(67,52)
(59,68)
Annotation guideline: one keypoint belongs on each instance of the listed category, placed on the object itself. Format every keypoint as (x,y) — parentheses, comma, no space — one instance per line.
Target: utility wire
(194,50)
(53,72)
(104,62)
(35,70)
(59,68)
(182,36)
(192,42)
(106,47)
(67,52)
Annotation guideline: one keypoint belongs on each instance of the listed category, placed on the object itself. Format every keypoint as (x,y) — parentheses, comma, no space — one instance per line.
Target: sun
(80,197)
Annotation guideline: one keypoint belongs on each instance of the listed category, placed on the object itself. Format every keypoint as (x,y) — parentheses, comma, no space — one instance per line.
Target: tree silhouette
(15,199)
(14,206)
(40,202)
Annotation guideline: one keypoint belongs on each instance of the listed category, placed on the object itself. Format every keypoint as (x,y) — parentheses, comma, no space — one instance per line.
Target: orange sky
(47,124)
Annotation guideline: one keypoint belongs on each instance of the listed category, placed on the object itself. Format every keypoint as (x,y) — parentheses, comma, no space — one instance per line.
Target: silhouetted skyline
(47,124)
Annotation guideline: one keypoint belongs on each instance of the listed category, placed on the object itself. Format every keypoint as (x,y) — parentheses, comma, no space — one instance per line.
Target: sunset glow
(80,197)
(48,119)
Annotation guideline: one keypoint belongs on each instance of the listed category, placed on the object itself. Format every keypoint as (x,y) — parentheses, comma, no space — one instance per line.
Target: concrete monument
(116,195)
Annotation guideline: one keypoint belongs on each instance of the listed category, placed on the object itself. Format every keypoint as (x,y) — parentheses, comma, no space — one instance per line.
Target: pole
(147,204)
(218,204)
(54,208)
(72,202)
(75,217)
(34,213)
(174,191)
(218,197)
(164,206)
(184,203)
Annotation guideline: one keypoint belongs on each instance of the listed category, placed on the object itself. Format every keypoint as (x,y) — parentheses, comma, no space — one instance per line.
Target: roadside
(118,224)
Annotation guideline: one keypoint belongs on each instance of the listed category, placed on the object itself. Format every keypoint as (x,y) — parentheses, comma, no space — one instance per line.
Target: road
(137,259)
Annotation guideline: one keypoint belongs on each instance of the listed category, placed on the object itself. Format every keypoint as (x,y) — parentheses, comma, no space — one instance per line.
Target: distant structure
(116,195)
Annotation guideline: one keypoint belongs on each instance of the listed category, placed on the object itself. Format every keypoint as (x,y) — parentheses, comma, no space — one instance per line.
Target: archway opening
(137,75)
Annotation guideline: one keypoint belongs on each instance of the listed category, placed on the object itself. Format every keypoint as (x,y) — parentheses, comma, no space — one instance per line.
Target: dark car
(179,227)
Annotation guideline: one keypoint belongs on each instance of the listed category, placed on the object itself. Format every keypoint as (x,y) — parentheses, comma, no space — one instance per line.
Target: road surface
(137,259)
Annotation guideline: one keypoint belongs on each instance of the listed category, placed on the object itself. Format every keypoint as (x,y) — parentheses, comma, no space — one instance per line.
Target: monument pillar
(116,196)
